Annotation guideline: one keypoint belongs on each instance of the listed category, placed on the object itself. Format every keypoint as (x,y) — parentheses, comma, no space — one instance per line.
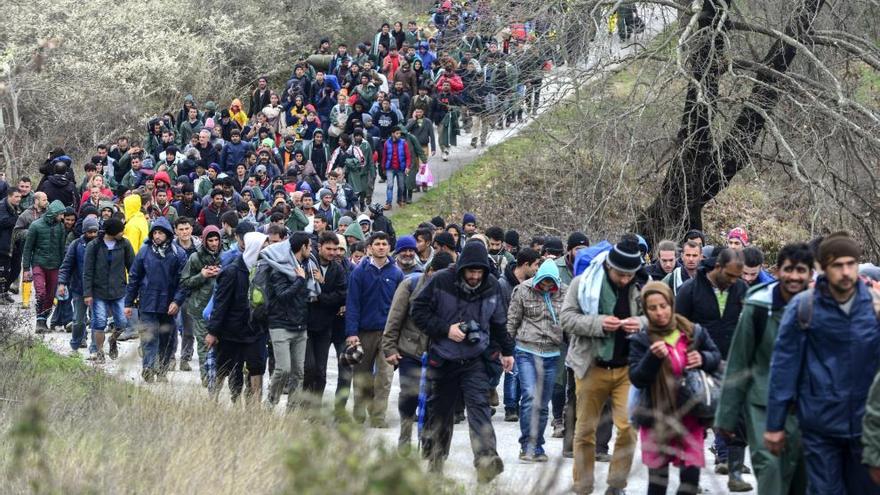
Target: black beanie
(511,237)
(553,245)
(577,239)
(625,256)
(113,226)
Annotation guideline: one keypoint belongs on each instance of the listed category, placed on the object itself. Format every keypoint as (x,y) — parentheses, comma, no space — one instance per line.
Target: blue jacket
(827,369)
(370,291)
(71,272)
(156,280)
(232,155)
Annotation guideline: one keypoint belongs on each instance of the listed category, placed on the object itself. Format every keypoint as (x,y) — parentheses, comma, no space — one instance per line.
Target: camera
(471,331)
(352,355)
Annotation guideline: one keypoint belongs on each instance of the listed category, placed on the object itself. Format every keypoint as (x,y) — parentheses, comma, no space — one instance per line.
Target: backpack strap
(805,310)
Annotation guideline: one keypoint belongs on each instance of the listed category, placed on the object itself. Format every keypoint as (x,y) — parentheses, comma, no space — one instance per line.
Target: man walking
(42,256)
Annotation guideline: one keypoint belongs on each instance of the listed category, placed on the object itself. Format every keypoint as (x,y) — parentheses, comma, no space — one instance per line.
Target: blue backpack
(585,256)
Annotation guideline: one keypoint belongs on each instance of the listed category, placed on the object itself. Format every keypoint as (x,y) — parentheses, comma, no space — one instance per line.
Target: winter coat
(533,316)
(59,187)
(402,335)
(71,272)
(231,317)
(104,270)
(696,301)
(137,227)
(747,373)
(644,367)
(370,292)
(423,132)
(45,242)
(287,292)
(826,369)
(8,218)
(565,273)
(153,280)
(232,155)
(323,312)
(186,129)
(442,303)
(199,288)
(586,336)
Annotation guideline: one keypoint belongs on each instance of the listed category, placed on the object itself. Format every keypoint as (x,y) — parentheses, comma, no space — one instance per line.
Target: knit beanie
(739,233)
(469,218)
(577,239)
(838,245)
(511,237)
(625,256)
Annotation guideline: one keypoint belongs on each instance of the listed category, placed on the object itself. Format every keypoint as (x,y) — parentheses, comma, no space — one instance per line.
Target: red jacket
(455,84)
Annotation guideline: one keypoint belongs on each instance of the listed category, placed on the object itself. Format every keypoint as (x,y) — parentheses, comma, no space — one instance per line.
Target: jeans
(410,374)
(400,177)
(79,321)
(290,357)
(536,377)
(512,389)
(45,283)
(102,307)
(156,329)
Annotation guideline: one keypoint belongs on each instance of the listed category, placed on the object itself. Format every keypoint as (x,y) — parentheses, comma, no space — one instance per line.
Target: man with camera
(460,309)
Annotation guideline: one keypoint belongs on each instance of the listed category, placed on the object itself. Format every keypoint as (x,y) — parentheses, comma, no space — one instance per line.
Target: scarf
(664,390)
(160,249)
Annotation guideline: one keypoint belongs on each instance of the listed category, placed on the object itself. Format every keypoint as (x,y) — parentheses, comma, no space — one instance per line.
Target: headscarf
(664,390)
(253,243)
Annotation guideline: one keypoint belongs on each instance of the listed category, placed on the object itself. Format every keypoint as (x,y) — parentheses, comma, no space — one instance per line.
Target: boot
(488,468)
(114,346)
(41,326)
(493,398)
(404,441)
(735,458)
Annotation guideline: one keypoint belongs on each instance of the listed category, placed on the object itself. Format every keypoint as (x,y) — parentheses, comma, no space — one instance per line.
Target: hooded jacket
(825,370)
(44,245)
(354,230)
(59,187)
(239,116)
(447,299)
(136,226)
(71,272)
(104,269)
(198,287)
(533,315)
(153,279)
(231,317)
(288,295)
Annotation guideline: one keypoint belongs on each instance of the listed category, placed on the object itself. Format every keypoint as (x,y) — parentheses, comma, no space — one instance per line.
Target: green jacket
(871,426)
(748,364)
(565,274)
(297,220)
(199,287)
(44,244)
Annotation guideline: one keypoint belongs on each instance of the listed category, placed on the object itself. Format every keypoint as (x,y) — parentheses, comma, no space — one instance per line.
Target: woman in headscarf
(658,358)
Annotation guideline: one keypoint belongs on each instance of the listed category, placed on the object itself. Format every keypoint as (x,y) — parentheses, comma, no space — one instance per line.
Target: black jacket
(322,313)
(288,302)
(644,367)
(104,270)
(61,188)
(696,301)
(231,316)
(8,217)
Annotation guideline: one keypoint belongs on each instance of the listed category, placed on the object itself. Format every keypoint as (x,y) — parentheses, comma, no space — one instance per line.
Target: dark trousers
(345,373)
(317,353)
(7,273)
(603,431)
(834,465)
(410,370)
(471,379)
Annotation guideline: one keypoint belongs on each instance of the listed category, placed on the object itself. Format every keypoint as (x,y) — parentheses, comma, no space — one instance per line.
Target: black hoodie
(59,187)
(447,300)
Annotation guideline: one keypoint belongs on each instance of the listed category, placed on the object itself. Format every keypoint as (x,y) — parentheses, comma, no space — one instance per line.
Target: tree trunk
(701,170)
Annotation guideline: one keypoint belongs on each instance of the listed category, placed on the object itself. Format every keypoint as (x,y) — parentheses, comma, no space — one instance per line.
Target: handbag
(698,394)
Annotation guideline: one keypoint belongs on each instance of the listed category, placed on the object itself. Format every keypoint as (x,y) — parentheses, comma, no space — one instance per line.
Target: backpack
(585,256)
(805,308)
(258,291)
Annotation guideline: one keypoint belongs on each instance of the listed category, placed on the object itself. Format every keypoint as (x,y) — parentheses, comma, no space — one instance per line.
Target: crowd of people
(246,238)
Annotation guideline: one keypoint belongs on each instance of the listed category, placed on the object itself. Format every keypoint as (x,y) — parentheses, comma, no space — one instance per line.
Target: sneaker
(42,327)
(445,156)
(603,457)
(184,365)
(387,206)
(526,457)
(510,416)
(128,334)
(746,470)
(13,288)
(738,485)
(558,428)
(540,457)
(6,298)
(721,468)
(568,454)
(83,345)
(488,468)
(148,375)
(99,358)
(161,377)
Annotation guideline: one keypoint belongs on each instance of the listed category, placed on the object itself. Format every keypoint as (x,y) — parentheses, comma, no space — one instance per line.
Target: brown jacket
(402,336)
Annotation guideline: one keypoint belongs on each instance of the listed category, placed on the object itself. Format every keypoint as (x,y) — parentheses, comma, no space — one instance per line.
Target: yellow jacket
(137,229)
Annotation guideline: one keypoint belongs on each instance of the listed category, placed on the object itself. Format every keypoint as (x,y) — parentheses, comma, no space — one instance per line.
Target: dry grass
(69,429)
